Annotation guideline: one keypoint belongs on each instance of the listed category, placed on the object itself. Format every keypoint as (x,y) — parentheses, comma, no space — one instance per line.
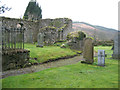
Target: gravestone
(101,57)
(116,51)
(40,40)
(88,51)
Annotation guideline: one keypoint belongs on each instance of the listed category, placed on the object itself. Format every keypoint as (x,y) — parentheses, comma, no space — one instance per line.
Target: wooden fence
(12,38)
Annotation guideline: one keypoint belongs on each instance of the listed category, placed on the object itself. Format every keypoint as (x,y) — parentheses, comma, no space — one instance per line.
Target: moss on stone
(91,38)
(61,28)
(49,28)
(77,34)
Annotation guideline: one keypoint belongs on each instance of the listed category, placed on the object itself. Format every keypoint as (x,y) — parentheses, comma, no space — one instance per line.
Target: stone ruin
(12,43)
(50,35)
(13,53)
(47,32)
(44,31)
(76,40)
(62,25)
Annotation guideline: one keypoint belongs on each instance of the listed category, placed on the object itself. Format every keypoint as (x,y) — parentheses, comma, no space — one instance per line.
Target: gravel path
(36,68)
(40,67)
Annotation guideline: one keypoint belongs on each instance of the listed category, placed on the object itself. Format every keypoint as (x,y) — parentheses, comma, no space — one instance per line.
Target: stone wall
(76,40)
(67,29)
(64,25)
(31,27)
(14,59)
(50,35)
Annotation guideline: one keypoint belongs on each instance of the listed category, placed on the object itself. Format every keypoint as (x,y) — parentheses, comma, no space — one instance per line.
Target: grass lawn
(70,76)
(47,52)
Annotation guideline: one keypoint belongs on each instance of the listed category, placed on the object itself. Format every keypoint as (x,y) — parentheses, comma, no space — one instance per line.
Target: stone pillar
(88,51)
(116,51)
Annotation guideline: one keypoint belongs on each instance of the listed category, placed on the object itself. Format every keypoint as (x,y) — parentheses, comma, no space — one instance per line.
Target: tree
(33,11)
(3,8)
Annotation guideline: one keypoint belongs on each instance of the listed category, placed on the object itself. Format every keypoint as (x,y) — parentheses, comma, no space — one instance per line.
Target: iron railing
(12,38)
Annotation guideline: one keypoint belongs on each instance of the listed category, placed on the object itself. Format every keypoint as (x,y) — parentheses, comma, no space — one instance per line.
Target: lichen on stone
(76,34)
(91,38)
(62,28)
(49,28)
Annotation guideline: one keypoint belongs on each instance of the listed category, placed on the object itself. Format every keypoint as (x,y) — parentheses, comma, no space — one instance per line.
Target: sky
(96,12)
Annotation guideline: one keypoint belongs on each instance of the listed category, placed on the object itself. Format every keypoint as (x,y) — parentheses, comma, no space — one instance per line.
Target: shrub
(103,43)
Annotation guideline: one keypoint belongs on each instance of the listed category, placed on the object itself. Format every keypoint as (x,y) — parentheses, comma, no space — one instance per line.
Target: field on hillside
(70,76)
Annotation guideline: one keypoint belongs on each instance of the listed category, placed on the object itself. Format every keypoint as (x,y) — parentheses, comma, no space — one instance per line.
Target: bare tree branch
(3,8)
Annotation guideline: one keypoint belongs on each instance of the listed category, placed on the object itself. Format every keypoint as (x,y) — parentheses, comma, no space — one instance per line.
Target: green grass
(70,76)
(47,52)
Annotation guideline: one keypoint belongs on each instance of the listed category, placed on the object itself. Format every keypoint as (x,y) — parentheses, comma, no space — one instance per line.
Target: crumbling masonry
(58,28)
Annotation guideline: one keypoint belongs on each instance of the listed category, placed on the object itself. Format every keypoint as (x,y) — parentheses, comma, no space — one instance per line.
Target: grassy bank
(47,52)
(70,76)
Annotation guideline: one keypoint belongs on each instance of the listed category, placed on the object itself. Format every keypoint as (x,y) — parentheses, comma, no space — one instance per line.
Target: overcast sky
(96,12)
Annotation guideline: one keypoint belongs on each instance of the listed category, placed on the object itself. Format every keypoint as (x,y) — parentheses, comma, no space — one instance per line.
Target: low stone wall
(14,59)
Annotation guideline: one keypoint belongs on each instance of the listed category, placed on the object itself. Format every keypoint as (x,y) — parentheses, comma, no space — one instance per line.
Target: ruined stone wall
(77,45)
(67,29)
(34,27)
(63,26)
(31,31)
(14,59)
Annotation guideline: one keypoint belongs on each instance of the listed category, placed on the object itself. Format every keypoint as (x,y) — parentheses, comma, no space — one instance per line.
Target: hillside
(101,33)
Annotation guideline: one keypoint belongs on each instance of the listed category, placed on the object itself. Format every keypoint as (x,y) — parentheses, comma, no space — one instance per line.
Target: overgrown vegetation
(48,28)
(103,43)
(56,24)
(59,43)
(70,76)
(61,28)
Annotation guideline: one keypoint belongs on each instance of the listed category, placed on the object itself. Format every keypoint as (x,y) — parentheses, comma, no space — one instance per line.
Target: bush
(103,43)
